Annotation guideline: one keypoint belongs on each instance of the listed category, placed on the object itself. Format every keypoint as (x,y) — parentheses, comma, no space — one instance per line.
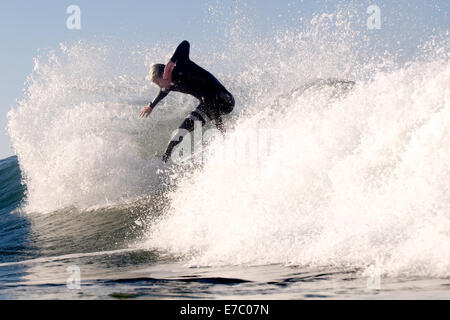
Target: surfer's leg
(186,127)
(224,104)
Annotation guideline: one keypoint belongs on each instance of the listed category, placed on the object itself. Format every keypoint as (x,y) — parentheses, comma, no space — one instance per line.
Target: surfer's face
(163,83)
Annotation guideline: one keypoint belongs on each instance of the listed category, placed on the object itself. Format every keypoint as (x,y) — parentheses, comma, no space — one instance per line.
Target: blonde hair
(156,72)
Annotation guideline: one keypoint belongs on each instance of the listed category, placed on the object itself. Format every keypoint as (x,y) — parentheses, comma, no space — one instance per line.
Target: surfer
(183,75)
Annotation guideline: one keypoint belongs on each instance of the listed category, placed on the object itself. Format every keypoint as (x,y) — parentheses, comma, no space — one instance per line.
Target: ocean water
(332,181)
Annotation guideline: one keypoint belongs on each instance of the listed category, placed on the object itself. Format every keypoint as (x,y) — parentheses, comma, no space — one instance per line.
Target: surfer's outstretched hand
(145,111)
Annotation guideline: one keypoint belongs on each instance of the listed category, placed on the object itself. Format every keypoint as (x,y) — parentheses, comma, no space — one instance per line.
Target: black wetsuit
(189,78)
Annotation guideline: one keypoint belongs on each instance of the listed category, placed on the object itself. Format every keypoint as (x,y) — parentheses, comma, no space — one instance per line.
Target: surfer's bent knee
(228,103)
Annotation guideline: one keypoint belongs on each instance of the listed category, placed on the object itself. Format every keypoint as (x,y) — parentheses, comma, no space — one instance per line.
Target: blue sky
(27,26)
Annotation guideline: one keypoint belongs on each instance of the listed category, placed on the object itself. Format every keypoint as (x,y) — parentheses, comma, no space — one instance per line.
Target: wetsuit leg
(207,110)
(226,102)
(223,104)
(186,127)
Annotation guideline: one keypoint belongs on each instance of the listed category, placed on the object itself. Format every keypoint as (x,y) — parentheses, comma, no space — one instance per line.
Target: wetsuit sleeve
(182,52)
(162,94)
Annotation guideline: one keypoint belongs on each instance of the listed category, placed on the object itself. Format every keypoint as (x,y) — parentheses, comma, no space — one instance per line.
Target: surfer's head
(156,76)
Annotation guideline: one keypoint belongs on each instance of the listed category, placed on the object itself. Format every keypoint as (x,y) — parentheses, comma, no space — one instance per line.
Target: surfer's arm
(182,52)
(181,55)
(162,94)
(145,112)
